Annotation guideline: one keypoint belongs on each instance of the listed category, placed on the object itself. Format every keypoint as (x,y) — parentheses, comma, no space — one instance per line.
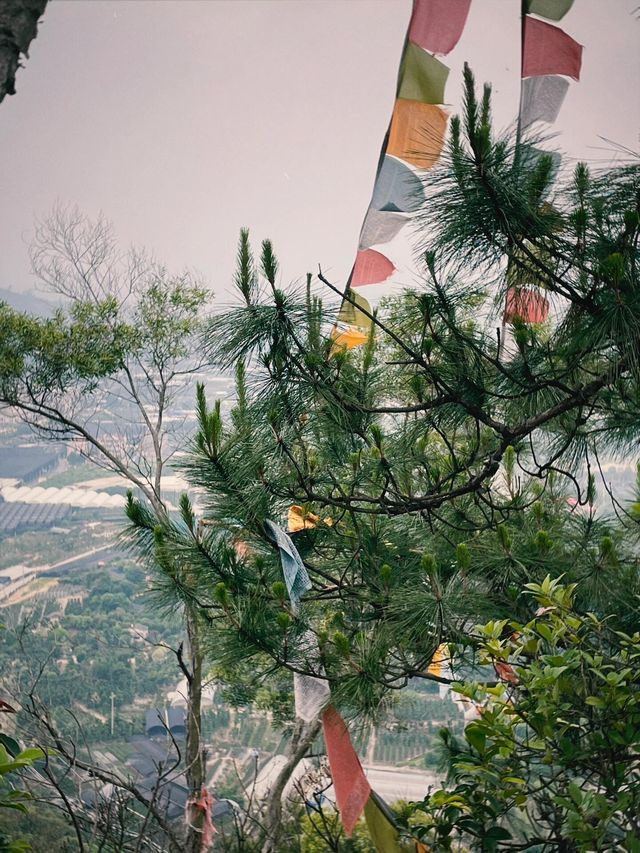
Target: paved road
(86,560)
(400,783)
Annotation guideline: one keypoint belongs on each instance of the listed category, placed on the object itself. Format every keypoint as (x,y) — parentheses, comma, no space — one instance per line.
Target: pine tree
(444,464)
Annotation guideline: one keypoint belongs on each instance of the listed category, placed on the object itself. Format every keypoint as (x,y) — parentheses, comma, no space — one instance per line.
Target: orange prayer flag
(439,656)
(371,267)
(437,25)
(417,132)
(549,50)
(349,782)
(348,338)
(525,305)
(298,519)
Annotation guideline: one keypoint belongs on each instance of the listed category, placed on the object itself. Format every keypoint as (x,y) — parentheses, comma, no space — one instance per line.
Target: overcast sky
(184,120)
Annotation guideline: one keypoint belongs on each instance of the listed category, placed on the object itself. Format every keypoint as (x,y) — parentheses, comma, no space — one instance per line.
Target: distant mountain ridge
(28,302)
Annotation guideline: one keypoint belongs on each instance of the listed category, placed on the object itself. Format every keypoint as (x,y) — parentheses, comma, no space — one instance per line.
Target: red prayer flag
(526,305)
(437,25)
(371,267)
(505,672)
(549,50)
(349,782)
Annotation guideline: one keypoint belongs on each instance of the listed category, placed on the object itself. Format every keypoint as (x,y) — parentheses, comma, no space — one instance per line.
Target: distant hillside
(27,301)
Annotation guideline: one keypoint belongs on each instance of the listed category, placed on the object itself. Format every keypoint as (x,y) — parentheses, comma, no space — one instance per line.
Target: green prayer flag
(351,315)
(552,10)
(422,76)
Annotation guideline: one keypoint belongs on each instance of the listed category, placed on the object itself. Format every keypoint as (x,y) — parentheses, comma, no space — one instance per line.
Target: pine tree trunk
(302,738)
(195,759)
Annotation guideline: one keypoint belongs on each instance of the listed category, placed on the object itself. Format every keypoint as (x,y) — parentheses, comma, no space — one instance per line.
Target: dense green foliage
(552,760)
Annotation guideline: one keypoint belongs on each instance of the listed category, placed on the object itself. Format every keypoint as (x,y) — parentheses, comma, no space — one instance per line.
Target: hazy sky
(183,120)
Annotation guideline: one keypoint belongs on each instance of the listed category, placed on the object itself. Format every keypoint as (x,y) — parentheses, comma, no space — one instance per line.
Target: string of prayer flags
(542,98)
(526,305)
(436,25)
(371,267)
(553,10)
(549,50)
(293,569)
(397,188)
(351,786)
(422,76)
(380,227)
(417,133)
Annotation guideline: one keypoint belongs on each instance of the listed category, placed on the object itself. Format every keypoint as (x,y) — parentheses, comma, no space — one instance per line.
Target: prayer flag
(437,25)
(417,132)
(526,305)
(549,50)
(349,782)
(348,338)
(311,693)
(352,315)
(422,76)
(293,569)
(371,267)
(542,98)
(554,10)
(310,696)
(298,519)
(397,188)
(440,655)
(383,832)
(380,227)
(505,672)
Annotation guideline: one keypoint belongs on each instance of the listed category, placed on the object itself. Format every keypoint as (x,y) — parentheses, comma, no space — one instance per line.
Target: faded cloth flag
(371,267)
(311,694)
(397,188)
(417,132)
(437,25)
(554,10)
(349,782)
(549,50)
(422,76)
(542,98)
(380,226)
(293,569)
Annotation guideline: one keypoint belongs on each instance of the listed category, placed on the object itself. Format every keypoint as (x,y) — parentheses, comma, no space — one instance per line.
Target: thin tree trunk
(302,738)
(195,758)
